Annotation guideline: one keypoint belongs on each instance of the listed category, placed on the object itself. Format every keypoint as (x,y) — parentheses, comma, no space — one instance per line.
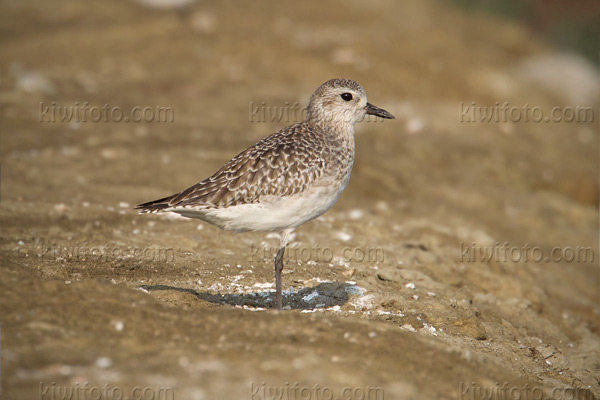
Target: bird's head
(341,102)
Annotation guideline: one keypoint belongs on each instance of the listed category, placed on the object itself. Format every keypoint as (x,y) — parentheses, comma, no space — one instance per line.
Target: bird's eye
(346,96)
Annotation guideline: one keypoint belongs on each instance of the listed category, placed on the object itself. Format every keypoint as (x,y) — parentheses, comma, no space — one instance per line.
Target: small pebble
(355,214)
(414,125)
(343,236)
(119,325)
(103,362)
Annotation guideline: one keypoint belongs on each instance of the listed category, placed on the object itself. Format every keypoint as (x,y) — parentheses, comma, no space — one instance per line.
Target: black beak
(379,112)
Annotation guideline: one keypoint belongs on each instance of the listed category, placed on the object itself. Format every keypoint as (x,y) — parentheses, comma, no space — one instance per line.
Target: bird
(286,179)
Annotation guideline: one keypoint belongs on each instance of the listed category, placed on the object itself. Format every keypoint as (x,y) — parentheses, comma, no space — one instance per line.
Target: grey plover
(287,178)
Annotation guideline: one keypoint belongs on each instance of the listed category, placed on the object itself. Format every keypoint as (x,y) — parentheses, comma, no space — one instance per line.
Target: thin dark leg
(278,269)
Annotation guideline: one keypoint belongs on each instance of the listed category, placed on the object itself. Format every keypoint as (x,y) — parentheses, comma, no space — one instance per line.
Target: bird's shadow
(324,295)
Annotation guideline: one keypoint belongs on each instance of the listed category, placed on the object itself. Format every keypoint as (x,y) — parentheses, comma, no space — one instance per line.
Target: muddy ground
(389,296)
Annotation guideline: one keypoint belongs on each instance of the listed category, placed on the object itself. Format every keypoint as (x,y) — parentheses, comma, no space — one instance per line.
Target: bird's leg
(285,236)
(278,269)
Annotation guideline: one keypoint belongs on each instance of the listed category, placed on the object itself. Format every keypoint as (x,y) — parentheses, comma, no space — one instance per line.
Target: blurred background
(467,165)
(568,25)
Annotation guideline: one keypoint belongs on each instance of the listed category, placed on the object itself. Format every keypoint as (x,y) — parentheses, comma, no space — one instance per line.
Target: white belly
(273,213)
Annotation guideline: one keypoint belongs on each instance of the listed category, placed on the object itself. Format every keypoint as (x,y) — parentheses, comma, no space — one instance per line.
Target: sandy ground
(388,295)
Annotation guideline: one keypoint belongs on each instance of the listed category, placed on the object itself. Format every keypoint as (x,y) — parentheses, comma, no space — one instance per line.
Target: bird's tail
(155,206)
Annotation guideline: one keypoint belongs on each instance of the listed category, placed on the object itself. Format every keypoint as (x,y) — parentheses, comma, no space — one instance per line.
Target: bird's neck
(336,129)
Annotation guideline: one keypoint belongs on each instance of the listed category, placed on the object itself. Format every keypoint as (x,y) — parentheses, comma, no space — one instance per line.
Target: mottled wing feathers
(280,165)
